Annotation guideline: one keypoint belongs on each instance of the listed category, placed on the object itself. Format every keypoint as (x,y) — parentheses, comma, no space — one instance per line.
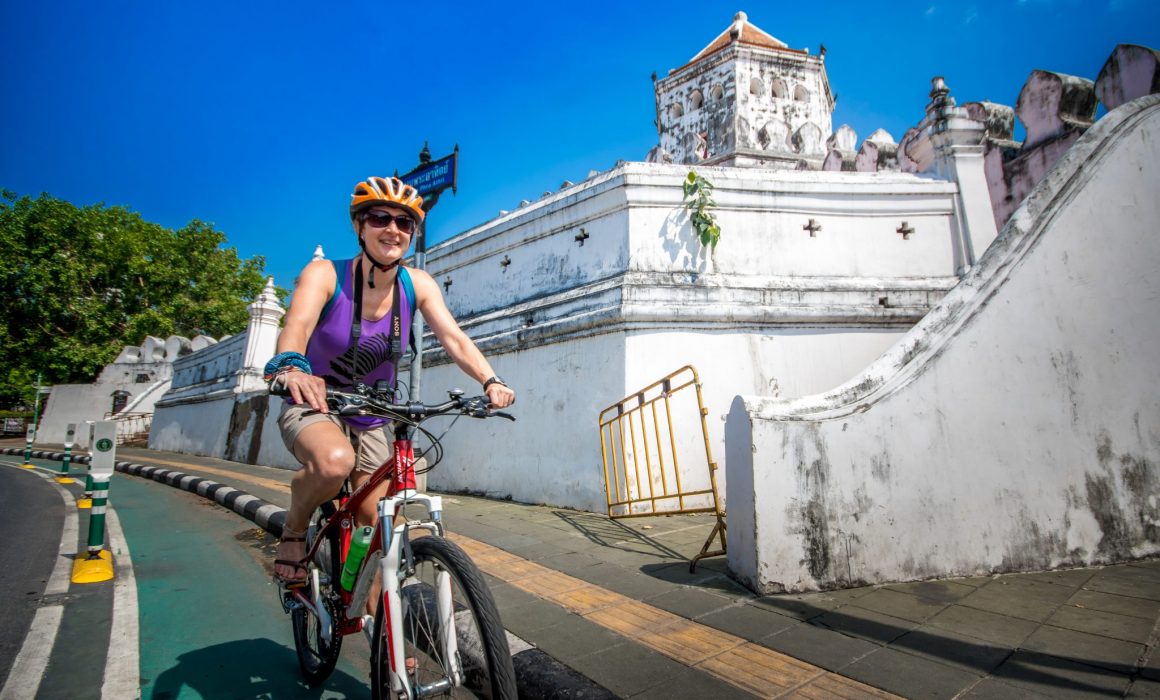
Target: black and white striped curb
(267,516)
(538,675)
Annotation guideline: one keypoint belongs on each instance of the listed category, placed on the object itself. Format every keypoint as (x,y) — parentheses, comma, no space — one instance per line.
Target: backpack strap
(409,291)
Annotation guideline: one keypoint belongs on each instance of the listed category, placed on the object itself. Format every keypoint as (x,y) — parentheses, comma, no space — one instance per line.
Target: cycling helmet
(386,190)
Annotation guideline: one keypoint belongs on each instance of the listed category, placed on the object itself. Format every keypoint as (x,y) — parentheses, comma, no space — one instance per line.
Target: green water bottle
(360,541)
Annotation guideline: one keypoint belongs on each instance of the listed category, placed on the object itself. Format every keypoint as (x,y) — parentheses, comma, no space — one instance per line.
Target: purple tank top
(331,352)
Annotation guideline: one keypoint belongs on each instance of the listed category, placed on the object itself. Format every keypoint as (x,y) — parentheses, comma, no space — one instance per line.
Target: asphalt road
(31,518)
(210,622)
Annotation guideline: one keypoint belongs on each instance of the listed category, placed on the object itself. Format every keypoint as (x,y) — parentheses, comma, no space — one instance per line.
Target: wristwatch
(493,380)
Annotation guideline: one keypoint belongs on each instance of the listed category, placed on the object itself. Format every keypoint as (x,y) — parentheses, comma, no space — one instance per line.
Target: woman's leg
(327,459)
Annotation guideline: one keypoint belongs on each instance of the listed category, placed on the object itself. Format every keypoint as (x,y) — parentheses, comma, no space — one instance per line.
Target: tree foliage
(79,283)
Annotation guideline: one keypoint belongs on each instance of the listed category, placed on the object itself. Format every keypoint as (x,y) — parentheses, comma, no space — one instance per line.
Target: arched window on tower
(676,111)
(696,100)
(780,91)
(717,92)
(800,94)
(756,87)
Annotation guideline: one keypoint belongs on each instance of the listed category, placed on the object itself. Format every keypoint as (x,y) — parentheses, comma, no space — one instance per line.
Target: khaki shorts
(372,447)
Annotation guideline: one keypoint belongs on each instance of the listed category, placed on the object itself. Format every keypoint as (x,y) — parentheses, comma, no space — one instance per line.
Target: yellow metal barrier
(642,452)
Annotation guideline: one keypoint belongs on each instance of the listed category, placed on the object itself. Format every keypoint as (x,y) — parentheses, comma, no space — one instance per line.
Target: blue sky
(259,117)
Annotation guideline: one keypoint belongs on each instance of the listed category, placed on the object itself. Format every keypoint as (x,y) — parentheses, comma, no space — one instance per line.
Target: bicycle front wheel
(483,649)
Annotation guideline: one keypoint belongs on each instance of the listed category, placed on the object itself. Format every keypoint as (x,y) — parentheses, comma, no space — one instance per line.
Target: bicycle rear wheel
(317,651)
(483,648)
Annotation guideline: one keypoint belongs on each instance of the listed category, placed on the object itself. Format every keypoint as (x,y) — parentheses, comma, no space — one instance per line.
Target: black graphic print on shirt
(372,353)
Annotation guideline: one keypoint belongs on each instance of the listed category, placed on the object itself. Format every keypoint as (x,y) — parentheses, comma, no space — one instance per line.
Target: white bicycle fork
(391,573)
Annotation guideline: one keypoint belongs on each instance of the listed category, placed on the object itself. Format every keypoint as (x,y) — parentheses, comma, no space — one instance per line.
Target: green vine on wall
(699,201)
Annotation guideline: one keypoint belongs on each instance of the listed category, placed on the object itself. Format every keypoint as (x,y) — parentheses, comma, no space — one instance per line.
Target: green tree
(79,283)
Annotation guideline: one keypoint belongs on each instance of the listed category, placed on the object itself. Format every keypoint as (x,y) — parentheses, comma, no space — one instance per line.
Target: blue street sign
(434,176)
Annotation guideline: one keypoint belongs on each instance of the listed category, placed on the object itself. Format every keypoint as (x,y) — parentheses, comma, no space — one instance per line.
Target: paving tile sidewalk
(1071,633)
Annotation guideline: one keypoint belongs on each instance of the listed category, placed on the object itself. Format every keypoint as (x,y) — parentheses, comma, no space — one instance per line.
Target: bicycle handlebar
(363,400)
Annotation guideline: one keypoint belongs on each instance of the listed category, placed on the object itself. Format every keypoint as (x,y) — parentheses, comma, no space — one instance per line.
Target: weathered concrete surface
(1131,71)
(142,371)
(577,323)
(1016,427)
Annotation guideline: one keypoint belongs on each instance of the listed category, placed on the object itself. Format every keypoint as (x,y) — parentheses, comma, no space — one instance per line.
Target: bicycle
(436,631)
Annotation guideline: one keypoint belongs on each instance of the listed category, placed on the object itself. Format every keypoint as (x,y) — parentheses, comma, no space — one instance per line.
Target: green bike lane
(210,622)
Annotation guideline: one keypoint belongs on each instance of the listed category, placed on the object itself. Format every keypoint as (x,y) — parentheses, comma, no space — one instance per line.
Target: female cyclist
(349,321)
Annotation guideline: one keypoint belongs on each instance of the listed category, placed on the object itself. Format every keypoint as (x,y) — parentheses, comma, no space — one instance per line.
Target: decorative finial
(425,154)
(938,88)
(318,254)
(739,21)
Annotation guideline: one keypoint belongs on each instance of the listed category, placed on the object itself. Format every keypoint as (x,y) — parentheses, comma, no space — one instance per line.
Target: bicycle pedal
(286,594)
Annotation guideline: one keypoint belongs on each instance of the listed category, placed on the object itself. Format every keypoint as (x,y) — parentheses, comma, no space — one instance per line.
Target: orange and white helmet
(375,191)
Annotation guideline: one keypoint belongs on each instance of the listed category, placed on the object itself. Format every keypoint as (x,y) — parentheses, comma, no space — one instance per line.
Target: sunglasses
(381,219)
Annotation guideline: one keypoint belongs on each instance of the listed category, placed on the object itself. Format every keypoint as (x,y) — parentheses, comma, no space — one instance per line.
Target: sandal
(289,535)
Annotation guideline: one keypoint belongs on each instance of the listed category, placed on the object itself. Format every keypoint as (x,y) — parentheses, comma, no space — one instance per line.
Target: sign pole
(98,564)
(430,178)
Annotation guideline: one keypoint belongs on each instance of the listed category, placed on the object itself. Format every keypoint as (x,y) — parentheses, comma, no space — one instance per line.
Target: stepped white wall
(1016,427)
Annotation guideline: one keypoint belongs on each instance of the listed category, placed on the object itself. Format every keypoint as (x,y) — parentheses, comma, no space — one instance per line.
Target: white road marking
(122,664)
(28,669)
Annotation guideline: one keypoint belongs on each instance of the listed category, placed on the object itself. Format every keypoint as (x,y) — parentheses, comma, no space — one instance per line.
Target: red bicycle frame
(400,471)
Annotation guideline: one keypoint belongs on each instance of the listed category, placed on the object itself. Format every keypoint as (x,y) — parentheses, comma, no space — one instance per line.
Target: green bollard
(98,564)
(29,437)
(86,499)
(69,440)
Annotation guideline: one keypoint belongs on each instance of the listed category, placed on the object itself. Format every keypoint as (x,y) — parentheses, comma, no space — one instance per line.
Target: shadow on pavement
(248,668)
(604,531)
(1020,666)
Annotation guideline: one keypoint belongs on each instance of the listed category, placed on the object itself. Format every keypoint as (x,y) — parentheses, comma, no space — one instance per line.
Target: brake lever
(501,414)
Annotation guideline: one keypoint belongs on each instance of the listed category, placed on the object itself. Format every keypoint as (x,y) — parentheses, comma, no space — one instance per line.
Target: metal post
(36,405)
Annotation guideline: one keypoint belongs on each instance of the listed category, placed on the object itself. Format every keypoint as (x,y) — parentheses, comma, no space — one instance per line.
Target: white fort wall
(194,416)
(591,293)
(576,327)
(1016,427)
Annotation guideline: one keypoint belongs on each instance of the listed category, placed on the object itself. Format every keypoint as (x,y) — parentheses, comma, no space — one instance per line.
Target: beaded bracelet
(284,362)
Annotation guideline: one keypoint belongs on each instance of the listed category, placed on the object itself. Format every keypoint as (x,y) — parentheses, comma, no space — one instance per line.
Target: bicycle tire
(484,652)
(316,656)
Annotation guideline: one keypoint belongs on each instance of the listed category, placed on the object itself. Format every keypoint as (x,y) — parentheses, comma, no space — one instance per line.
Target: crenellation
(1053,105)
(1130,72)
